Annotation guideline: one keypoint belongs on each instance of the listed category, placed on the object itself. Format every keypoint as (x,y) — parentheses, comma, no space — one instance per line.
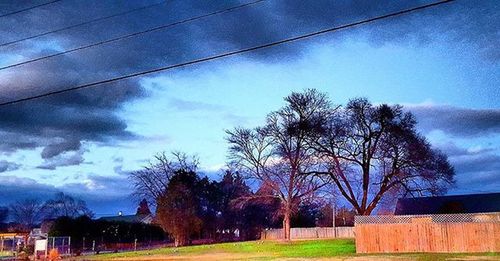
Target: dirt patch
(358,258)
(475,258)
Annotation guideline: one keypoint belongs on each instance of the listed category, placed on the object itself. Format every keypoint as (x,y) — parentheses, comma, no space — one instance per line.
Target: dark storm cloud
(14,188)
(470,164)
(55,149)
(452,150)
(103,195)
(61,123)
(63,160)
(477,169)
(458,122)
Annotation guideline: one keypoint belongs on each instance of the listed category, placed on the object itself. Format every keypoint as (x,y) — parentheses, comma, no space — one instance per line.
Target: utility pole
(333,221)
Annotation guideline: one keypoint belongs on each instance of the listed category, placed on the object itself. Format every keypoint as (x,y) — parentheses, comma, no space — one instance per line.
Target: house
(143,215)
(471,203)
(37,233)
(146,219)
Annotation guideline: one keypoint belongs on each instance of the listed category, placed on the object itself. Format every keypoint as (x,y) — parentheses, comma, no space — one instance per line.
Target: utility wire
(81,24)
(161,27)
(29,8)
(231,53)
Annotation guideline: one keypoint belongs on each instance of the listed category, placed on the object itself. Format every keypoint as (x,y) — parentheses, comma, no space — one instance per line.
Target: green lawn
(5,253)
(269,250)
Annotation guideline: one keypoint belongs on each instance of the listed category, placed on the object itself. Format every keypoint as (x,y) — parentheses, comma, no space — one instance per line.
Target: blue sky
(445,71)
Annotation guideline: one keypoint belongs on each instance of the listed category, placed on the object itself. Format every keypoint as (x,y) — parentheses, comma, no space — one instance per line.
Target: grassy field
(4,253)
(338,249)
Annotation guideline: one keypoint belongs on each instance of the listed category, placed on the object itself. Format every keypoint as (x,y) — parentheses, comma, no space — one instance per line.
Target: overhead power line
(231,53)
(29,8)
(161,27)
(81,24)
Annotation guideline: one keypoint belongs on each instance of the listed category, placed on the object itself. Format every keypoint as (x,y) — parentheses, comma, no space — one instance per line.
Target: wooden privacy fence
(428,233)
(309,233)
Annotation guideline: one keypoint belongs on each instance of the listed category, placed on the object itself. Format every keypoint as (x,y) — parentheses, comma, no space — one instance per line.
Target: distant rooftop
(144,218)
(471,203)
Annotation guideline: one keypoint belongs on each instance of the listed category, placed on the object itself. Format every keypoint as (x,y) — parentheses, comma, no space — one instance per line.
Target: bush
(54,255)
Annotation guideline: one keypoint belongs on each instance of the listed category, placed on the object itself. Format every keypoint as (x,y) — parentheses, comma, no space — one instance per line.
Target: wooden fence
(428,233)
(309,233)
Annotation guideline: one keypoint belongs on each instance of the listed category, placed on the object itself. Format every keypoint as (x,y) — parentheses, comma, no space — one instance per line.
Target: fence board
(428,234)
(309,233)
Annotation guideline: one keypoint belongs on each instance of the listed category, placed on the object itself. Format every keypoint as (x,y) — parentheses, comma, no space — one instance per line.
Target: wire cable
(230,9)
(231,53)
(81,24)
(29,8)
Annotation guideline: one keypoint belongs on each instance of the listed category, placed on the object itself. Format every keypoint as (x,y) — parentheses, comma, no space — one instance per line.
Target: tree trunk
(286,224)
(365,212)
(180,241)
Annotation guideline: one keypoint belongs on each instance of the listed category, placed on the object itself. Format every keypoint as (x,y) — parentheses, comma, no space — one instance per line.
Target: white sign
(40,245)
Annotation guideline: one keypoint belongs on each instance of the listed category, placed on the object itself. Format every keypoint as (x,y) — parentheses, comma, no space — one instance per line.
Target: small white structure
(41,246)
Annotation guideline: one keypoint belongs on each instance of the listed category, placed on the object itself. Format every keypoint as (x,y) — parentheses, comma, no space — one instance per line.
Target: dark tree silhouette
(143,208)
(344,217)
(63,205)
(151,182)
(178,209)
(83,230)
(370,150)
(27,212)
(277,154)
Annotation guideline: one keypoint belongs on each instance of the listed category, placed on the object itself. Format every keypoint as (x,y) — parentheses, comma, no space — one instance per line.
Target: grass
(5,253)
(270,250)
(264,249)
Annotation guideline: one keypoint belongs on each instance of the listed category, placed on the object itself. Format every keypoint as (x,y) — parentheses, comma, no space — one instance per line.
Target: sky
(442,64)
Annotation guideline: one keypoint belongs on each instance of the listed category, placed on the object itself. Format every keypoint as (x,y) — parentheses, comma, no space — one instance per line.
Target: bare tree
(371,150)
(151,182)
(26,212)
(277,154)
(65,205)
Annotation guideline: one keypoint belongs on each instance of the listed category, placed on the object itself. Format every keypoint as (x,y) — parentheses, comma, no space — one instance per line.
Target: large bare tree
(372,150)
(151,181)
(63,205)
(277,154)
(26,212)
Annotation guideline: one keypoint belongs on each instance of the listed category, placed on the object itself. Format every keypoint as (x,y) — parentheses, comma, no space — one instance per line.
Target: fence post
(333,221)
(93,245)
(135,244)
(69,245)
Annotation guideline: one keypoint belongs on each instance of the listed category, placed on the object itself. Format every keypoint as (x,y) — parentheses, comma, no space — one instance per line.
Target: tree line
(193,207)
(360,152)
(29,212)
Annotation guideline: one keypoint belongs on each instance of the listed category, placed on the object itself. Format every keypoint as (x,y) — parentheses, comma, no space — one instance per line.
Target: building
(471,203)
(146,219)
(143,215)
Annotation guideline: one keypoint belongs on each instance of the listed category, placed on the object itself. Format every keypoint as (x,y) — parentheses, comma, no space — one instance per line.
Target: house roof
(146,218)
(472,203)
